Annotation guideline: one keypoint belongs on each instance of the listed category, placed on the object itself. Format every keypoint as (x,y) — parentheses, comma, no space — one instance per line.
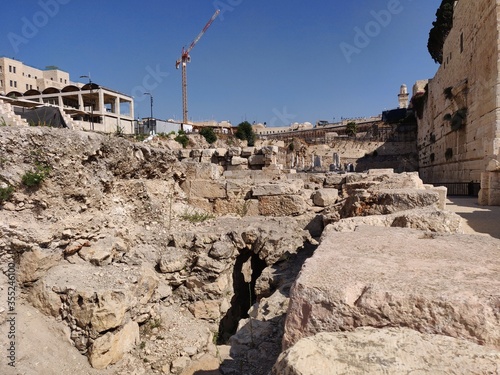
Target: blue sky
(271,61)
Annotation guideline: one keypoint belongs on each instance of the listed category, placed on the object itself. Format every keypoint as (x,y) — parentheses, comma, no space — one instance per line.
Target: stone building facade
(459,111)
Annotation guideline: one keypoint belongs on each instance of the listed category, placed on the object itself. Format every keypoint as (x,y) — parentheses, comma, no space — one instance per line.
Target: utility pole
(151,118)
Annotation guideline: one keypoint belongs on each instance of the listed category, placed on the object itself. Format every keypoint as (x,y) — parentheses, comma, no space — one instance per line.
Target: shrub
(196,217)
(182,138)
(209,135)
(351,129)
(440,30)
(6,193)
(36,177)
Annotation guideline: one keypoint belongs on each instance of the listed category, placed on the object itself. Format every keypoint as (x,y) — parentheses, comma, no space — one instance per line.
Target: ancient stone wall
(459,131)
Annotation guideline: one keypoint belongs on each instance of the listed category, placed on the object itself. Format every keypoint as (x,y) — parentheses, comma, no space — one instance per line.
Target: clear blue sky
(274,61)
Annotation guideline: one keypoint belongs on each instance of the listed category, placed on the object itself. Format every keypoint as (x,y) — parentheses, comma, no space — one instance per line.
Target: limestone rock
(236,160)
(442,284)
(173,259)
(208,310)
(104,251)
(179,364)
(205,189)
(33,264)
(425,219)
(281,205)
(75,246)
(325,197)
(111,347)
(292,187)
(390,351)
(388,201)
(222,250)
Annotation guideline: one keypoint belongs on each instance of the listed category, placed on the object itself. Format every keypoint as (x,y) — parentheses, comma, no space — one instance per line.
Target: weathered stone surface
(257,160)
(236,160)
(208,264)
(173,259)
(388,351)
(222,250)
(292,187)
(325,197)
(75,246)
(104,251)
(425,219)
(33,264)
(443,284)
(208,310)
(111,347)
(205,189)
(281,205)
(234,151)
(388,201)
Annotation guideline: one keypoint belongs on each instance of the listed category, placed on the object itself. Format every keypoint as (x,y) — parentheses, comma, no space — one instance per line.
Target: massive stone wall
(459,131)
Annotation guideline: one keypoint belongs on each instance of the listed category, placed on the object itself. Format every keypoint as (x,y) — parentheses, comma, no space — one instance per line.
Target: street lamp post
(151,101)
(91,102)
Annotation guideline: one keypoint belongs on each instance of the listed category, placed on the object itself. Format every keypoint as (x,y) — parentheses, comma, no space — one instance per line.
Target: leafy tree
(440,30)
(209,135)
(246,133)
(351,129)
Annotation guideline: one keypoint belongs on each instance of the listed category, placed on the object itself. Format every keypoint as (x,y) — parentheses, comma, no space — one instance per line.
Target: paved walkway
(476,218)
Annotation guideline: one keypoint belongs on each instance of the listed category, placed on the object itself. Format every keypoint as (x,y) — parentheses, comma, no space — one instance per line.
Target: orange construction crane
(185,58)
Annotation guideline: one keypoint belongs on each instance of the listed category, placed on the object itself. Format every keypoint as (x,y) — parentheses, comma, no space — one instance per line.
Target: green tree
(351,129)
(209,135)
(440,30)
(246,133)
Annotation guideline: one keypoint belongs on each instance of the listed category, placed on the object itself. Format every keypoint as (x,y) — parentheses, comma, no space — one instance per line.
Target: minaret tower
(403,97)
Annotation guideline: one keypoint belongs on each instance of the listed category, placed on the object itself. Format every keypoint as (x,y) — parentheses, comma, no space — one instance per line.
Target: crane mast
(182,62)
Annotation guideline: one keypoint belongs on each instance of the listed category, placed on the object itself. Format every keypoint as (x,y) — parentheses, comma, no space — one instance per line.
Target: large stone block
(281,205)
(325,197)
(280,188)
(387,351)
(236,160)
(111,347)
(257,160)
(380,277)
(205,189)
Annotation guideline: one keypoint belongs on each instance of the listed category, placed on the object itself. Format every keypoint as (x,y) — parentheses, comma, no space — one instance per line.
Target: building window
(1,83)
(29,75)
(10,68)
(11,83)
(60,80)
(461,42)
(13,69)
(31,87)
(27,87)
(15,84)
(1,69)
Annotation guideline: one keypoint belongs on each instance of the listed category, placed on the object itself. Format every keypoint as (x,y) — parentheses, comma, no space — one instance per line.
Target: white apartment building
(90,106)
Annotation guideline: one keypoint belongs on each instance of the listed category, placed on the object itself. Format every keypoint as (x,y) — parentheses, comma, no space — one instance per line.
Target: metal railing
(470,189)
